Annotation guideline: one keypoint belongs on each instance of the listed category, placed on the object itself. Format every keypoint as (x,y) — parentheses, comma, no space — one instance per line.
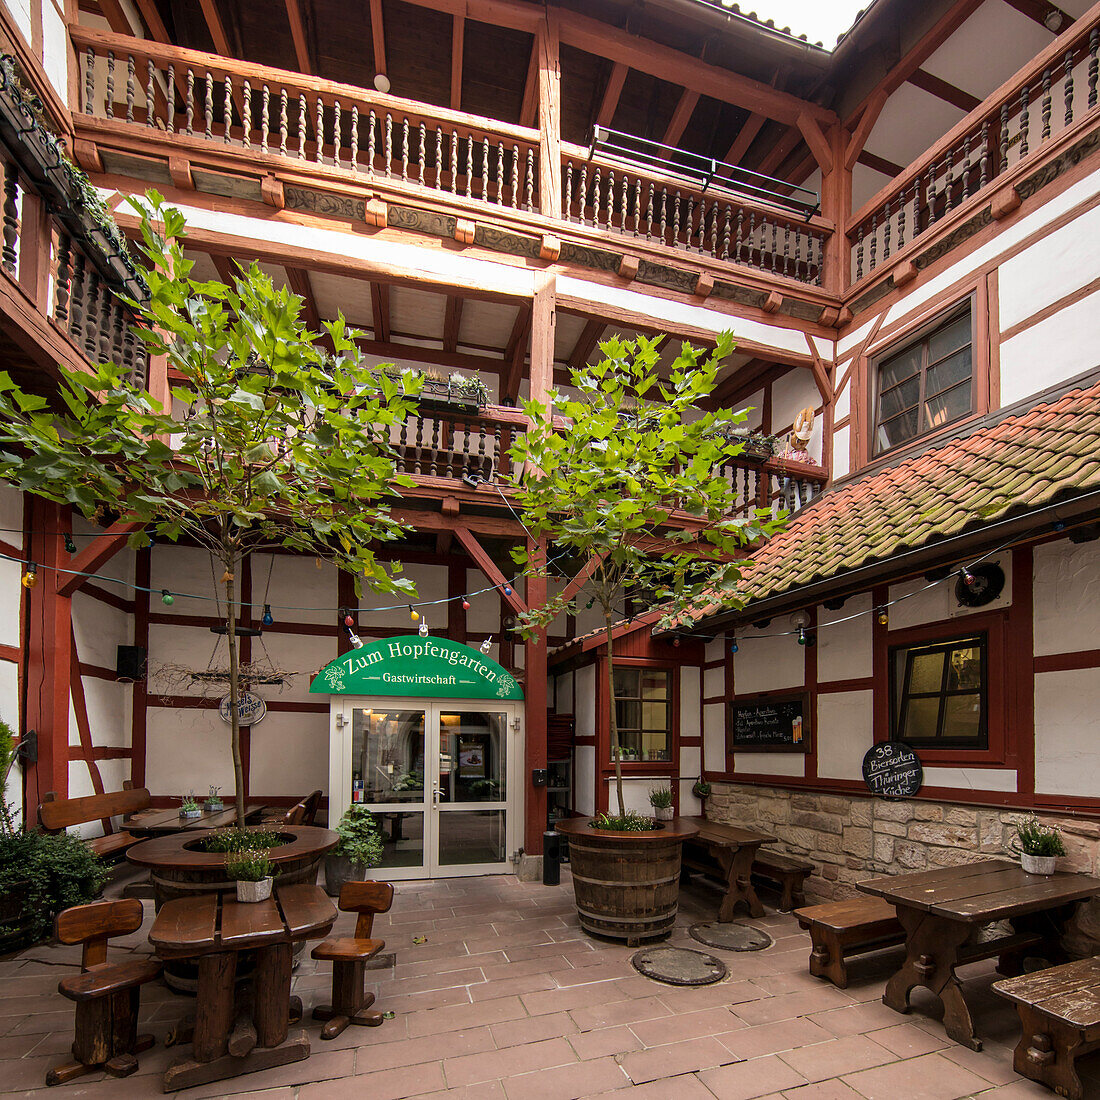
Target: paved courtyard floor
(506,999)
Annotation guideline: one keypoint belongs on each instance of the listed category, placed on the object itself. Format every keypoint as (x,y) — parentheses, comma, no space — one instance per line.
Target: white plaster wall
(1067,597)
(714,737)
(715,649)
(563,694)
(925,602)
(1056,265)
(843,405)
(387,610)
(689,702)
(303,654)
(1067,752)
(186,573)
(791,394)
(584,796)
(188,749)
(844,642)
(765,663)
(842,461)
(972,779)
(635,793)
(714,682)
(288,754)
(584,701)
(769,763)
(20,11)
(844,733)
(484,614)
(55,50)
(298,585)
(1061,346)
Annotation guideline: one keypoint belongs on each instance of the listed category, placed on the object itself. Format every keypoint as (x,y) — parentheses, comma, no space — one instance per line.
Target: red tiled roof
(1023,462)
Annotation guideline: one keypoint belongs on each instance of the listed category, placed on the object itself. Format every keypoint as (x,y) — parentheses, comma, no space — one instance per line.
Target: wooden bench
(1060,1020)
(839,929)
(55,815)
(788,871)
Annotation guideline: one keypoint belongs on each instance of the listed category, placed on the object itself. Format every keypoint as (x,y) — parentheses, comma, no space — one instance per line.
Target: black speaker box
(130,663)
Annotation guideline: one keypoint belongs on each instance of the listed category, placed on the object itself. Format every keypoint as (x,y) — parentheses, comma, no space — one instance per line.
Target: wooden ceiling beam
(380,310)
(226,267)
(586,344)
(862,131)
(301,41)
(147,9)
(489,567)
(745,137)
(780,151)
(458,360)
(680,117)
(942,89)
(879,164)
(298,280)
(378,36)
(458,44)
(666,63)
(529,109)
(452,321)
(1039,11)
(216,28)
(515,354)
(611,92)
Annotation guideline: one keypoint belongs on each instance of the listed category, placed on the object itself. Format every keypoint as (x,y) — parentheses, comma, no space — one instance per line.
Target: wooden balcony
(179,115)
(988,162)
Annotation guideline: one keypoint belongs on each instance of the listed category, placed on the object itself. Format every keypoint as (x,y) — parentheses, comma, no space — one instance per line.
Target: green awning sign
(417,667)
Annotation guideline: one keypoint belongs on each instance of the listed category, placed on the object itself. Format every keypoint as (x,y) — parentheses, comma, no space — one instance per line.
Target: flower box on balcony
(455,393)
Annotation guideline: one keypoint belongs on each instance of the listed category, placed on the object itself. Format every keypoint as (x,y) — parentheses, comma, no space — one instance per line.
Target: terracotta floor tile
(668,1061)
(430,1048)
(607,971)
(456,1018)
(687,1025)
(756,1077)
(836,1057)
(532,1029)
(389,1084)
(508,1062)
(685,1087)
(788,1006)
(908,1042)
(858,1019)
(754,1042)
(620,1012)
(568,1082)
(929,1077)
(993,1062)
(485,1090)
(822,1090)
(605,1040)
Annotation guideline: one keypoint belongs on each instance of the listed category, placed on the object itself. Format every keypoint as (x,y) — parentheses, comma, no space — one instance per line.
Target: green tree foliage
(273,440)
(627,473)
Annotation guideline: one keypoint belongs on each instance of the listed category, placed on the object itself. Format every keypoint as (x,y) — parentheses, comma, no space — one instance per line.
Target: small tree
(274,441)
(628,474)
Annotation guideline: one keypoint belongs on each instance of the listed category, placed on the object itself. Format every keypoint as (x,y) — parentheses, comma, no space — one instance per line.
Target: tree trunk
(234,687)
(613,716)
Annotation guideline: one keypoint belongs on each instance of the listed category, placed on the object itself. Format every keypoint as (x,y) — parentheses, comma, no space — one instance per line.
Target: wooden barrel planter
(626,885)
(178,867)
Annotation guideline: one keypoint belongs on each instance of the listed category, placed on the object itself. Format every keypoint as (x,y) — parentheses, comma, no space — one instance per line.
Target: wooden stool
(107,995)
(350,1001)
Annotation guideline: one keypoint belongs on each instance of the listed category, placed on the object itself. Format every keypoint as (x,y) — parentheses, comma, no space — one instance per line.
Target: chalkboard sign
(775,723)
(892,769)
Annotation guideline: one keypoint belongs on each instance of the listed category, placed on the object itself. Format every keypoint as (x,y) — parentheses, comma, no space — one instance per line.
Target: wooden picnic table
(941,910)
(733,848)
(232,1035)
(164,821)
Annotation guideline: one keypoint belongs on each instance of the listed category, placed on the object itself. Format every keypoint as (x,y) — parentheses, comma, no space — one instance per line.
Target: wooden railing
(305,119)
(1051,94)
(616,197)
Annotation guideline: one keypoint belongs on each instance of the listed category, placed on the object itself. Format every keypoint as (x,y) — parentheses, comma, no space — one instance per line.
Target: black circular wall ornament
(987,583)
(891,769)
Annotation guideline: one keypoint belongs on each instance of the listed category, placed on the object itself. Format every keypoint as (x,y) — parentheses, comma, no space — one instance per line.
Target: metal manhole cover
(679,966)
(731,937)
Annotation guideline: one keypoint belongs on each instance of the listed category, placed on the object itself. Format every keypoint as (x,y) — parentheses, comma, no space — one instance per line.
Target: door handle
(437,794)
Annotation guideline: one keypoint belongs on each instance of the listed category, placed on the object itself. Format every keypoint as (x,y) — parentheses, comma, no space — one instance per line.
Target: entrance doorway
(441,777)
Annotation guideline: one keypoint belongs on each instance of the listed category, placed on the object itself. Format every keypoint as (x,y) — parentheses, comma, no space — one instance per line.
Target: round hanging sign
(250,709)
(892,769)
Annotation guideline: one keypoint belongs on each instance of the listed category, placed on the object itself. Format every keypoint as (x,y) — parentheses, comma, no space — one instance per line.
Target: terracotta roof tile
(1028,460)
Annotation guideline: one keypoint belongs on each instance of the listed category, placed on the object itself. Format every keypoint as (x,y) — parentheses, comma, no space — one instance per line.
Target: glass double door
(438,777)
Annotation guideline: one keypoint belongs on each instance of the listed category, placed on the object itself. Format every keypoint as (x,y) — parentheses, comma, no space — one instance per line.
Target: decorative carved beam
(452,321)
(458,43)
(489,567)
(380,310)
(298,33)
(96,554)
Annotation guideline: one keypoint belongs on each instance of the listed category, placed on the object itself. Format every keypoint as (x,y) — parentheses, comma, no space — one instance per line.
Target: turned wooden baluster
(61,290)
(150,114)
(1094,65)
(76,310)
(110,84)
(227,110)
(11,217)
(301,126)
(1067,87)
(190,102)
(89,81)
(170,122)
(319,132)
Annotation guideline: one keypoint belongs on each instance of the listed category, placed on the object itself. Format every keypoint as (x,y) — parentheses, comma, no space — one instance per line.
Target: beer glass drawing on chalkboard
(769,723)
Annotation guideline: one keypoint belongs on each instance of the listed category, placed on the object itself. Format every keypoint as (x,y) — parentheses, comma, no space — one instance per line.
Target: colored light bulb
(414,614)
(507,590)
(30,578)
(733,646)
(465,605)
(268,618)
(349,620)
(70,546)
(166,597)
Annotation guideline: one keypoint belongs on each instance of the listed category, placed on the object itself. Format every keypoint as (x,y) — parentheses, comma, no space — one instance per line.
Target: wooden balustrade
(615,197)
(1052,93)
(455,444)
(305,119)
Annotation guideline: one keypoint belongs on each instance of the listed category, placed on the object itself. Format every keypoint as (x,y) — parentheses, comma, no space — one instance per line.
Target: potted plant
(624,474)
(359,849)
(214,801)
(252,870)
(660,798)
(1038,845)
(277,441)
(701,790)
(189,807)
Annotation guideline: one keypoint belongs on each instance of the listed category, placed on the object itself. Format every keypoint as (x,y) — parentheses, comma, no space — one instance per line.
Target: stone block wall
(849,838)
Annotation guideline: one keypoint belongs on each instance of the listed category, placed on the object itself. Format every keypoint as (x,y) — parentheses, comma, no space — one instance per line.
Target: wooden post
(215,995)
(48,652)
(549,117)
(271,996)
(836,205)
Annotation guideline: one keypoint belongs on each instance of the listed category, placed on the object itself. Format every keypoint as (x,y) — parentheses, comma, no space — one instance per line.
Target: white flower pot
(1037,865)
(664,813)
(254,891)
